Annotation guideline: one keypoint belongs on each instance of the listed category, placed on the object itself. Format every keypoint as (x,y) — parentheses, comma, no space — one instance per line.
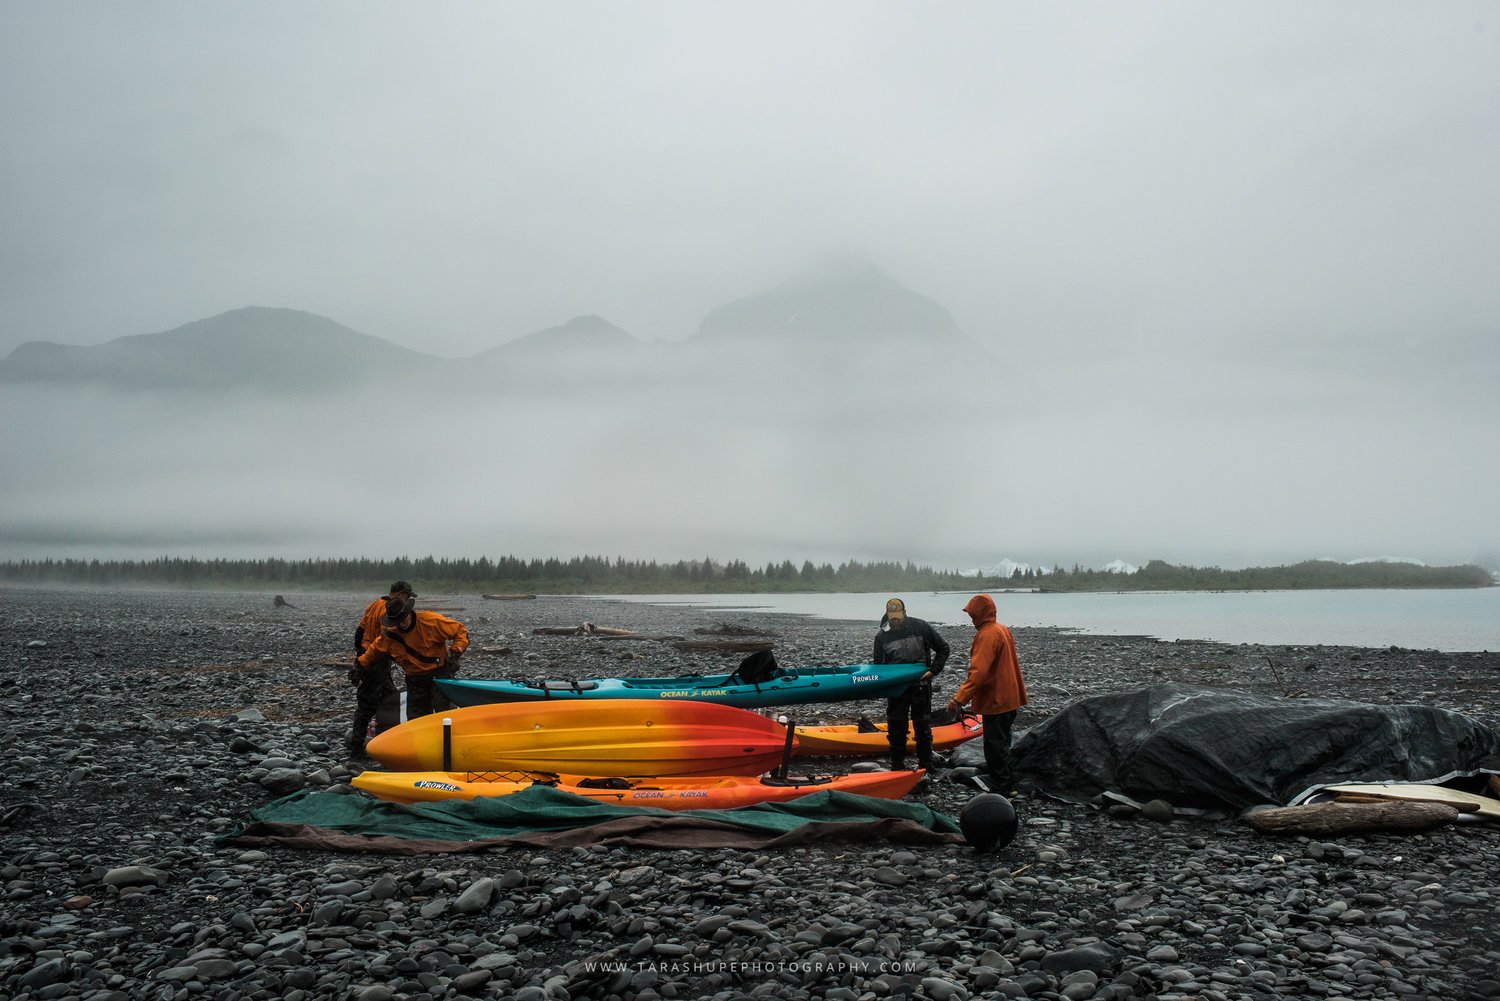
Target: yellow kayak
(617,737)
(722,792)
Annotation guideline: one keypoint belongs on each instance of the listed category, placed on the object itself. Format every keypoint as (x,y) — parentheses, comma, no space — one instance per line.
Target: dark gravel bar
(140,726)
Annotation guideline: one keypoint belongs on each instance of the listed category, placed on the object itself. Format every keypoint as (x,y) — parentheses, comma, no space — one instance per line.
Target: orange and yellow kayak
(850,739)
(616,737)
(722,792)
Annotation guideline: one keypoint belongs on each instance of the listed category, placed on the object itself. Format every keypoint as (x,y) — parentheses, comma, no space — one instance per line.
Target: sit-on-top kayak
(784,688)
(614,738)
(721,792)
(852,739)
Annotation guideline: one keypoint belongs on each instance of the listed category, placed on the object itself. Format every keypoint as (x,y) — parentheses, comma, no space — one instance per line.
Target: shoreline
(151,723)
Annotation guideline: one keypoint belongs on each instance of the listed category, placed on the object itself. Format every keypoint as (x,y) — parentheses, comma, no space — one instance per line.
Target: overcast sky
(448,176)
(1085,186)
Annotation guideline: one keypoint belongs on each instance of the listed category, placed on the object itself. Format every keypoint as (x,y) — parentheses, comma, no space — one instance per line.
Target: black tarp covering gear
(1214,748)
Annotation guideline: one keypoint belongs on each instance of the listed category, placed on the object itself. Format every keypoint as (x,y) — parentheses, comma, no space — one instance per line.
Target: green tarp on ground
(542,816)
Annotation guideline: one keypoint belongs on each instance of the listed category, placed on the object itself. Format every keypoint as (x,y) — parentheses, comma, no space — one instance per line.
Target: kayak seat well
(610,783)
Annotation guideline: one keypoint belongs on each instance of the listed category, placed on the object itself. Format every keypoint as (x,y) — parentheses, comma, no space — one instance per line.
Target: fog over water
(1205,283)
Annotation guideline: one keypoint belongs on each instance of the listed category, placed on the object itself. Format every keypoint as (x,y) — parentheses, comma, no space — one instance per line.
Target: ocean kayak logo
(434,784)
(696,693)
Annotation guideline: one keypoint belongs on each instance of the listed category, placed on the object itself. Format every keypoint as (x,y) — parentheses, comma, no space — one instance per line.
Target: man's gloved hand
(452,663)
(356,675)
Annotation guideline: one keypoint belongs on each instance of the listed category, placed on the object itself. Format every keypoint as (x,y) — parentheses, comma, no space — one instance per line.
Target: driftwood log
(508,597)
(584,629)
(1341,817)
(730,629)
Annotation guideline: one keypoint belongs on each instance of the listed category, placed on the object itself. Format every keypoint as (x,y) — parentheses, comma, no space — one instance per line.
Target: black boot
(357,734)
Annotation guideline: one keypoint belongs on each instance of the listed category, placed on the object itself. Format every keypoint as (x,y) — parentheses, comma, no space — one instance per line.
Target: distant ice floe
(1008,568)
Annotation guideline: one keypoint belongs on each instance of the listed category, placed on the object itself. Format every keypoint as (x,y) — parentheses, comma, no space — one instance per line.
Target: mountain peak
(580,334)
(843,299)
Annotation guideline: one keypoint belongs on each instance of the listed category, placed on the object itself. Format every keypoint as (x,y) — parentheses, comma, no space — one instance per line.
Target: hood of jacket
(982,608)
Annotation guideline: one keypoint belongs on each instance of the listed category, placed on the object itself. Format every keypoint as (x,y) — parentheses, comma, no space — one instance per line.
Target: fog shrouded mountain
(274,350)
(836,416)
(777,426)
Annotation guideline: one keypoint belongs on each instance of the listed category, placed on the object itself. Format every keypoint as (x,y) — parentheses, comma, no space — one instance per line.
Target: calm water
(1467,619)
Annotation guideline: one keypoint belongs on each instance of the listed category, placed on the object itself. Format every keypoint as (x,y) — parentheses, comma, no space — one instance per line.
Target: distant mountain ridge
(829,319)
(254,347)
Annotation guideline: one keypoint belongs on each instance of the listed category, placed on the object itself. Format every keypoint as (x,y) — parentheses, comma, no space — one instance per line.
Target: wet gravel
(138,726)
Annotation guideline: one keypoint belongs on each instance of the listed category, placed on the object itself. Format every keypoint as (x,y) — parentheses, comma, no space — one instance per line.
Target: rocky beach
(140,727)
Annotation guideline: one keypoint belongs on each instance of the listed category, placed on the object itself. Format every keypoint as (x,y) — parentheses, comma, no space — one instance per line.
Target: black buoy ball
(988,822)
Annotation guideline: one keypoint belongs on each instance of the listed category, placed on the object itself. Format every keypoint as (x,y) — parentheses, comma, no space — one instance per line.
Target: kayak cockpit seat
(566,686)
(755,669)
(866,726)
(794,781)
(609,783)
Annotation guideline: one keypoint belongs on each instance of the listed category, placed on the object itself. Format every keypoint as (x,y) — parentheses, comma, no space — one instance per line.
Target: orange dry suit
(423,648)
(994,684)
(369,625)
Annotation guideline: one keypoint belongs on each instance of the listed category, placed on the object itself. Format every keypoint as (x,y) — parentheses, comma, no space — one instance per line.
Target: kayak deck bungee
(601,739)
(723,792)
(787,687)
(853,739)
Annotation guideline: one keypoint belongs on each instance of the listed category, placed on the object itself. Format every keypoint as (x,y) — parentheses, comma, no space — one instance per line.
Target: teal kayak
(796,686)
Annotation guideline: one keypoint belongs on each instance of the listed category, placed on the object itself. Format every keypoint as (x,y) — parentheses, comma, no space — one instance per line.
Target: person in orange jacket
(994,689)
(376,698)
(426,645)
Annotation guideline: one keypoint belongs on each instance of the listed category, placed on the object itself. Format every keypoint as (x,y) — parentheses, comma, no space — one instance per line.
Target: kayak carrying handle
(447,743)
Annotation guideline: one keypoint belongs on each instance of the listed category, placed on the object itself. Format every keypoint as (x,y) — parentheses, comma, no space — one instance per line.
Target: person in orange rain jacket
(994,689)
(426,645)
(376,698)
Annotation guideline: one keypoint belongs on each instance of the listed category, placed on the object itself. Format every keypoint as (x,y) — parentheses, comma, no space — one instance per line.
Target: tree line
(1307,575)
(578,575)
(602,575)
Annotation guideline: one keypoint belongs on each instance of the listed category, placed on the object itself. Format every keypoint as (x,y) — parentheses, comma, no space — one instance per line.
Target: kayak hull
(835,740)
(722,792)
(602,739)
(794,687)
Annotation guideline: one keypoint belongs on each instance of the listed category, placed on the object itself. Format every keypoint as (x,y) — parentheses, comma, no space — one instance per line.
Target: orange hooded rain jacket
(994,684)
(423,649)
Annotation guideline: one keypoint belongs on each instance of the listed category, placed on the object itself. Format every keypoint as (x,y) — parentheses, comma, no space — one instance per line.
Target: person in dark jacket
(904,639)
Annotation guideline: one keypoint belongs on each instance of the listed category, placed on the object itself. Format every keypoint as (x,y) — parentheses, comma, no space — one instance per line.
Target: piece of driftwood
(1347,818)
(508,597)
(1494,784)
(724,646)
(444,608)
(488,651)
(281,602)
(584,629)
(730,629)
